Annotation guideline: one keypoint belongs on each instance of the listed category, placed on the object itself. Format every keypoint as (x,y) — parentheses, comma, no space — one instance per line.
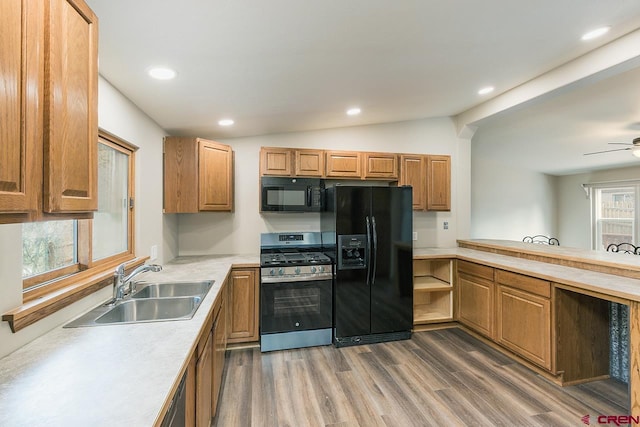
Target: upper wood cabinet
(198,175)
(48,109)
(438,183)
(309,162)
(380,165)
(413,172)
(21,31)
(276,161)
(343,164)
(70,108)
(430,177)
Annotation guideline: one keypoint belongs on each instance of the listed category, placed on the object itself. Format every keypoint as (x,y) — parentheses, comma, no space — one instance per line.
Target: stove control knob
(322,269)
(297,270)
(272,272)
(281,271)
(313,269)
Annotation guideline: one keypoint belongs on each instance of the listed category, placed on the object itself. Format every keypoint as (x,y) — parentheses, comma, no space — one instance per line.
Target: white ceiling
(290,65)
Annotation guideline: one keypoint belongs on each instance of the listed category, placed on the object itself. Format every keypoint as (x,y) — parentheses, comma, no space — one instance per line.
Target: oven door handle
(367,257)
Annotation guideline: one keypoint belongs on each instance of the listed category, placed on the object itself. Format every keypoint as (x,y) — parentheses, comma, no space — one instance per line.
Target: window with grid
(52,250)
(615,218)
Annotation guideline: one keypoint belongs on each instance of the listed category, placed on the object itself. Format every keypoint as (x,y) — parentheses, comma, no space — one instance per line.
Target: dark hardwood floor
(438,378)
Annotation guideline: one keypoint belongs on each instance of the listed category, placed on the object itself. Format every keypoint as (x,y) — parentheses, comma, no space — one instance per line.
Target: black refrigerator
(368,231)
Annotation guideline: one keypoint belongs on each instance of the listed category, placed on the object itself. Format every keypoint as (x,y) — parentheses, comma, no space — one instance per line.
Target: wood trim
(68,291)
(49,276)
(634,363)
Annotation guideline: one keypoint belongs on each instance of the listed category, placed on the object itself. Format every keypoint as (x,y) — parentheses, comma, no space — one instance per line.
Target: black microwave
(291,194)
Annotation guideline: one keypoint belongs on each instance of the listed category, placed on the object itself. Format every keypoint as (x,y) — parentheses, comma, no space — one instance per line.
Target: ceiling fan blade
(619,143)
(607,151)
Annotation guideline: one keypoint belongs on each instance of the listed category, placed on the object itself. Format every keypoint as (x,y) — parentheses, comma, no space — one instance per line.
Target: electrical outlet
(153,253)
(446,225)
(415,235)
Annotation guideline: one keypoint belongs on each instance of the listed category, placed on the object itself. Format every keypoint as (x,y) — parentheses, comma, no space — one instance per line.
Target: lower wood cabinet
(476,297)
(204,383)
(432,291)
(244,305)
(523,317)
(219,350)
(524,324)
(204,372)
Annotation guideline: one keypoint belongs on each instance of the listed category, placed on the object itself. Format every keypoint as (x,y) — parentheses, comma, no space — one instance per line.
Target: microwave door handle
(309,197)
(374,257)
(367,255)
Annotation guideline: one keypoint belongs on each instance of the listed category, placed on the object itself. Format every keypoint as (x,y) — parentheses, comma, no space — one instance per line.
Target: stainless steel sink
(153,302)
(172,289)
(150,310)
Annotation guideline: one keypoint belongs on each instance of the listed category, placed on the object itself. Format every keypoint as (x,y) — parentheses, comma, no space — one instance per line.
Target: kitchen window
(55,251)
(615,208)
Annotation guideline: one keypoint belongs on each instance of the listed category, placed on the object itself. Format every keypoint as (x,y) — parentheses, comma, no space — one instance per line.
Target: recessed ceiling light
(162,73)
(225,122)
(353,111)
(595,33)
(486,90)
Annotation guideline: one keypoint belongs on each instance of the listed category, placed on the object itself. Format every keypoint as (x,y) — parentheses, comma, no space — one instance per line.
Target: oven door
(295,306)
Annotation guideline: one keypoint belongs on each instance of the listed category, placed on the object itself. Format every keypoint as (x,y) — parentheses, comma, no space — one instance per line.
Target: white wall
(238,232)
(509,202)
(120,117)
(574,208)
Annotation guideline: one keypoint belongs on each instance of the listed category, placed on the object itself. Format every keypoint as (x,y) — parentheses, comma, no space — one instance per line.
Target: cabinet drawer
(476,269)
(525,283)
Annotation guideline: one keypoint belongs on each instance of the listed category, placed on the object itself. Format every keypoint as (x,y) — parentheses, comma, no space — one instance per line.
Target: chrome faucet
(123,286)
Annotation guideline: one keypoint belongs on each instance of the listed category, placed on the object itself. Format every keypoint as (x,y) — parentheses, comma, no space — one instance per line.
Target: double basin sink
(152,302)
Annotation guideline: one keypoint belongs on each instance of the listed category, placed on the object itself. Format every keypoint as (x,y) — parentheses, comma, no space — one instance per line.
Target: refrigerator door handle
(368,249)
(374,257)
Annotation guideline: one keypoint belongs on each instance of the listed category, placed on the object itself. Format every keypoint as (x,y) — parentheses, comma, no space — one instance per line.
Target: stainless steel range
(295,291)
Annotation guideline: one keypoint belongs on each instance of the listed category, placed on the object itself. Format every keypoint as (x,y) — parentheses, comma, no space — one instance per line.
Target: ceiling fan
(633,146)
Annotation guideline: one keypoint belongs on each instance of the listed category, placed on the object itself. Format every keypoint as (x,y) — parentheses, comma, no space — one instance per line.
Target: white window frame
(594,199)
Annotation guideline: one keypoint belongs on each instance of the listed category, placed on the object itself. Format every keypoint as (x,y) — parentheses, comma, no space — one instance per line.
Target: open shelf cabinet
(432,291)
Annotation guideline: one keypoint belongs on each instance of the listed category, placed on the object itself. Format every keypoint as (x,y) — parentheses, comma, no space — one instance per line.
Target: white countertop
(121,375)
(600,283)
(117,375)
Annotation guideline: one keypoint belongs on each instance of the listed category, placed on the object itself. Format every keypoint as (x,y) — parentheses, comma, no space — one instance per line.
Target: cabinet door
(215,176)
(190,392)
(21,39)
(343,164)
(438,183)
(243,302)
(180,175)
(275,161)
(309,163)
(380,165)
(413,172)
(71,108)
(219,349)
(524,324)
(204,384)
(475,303)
